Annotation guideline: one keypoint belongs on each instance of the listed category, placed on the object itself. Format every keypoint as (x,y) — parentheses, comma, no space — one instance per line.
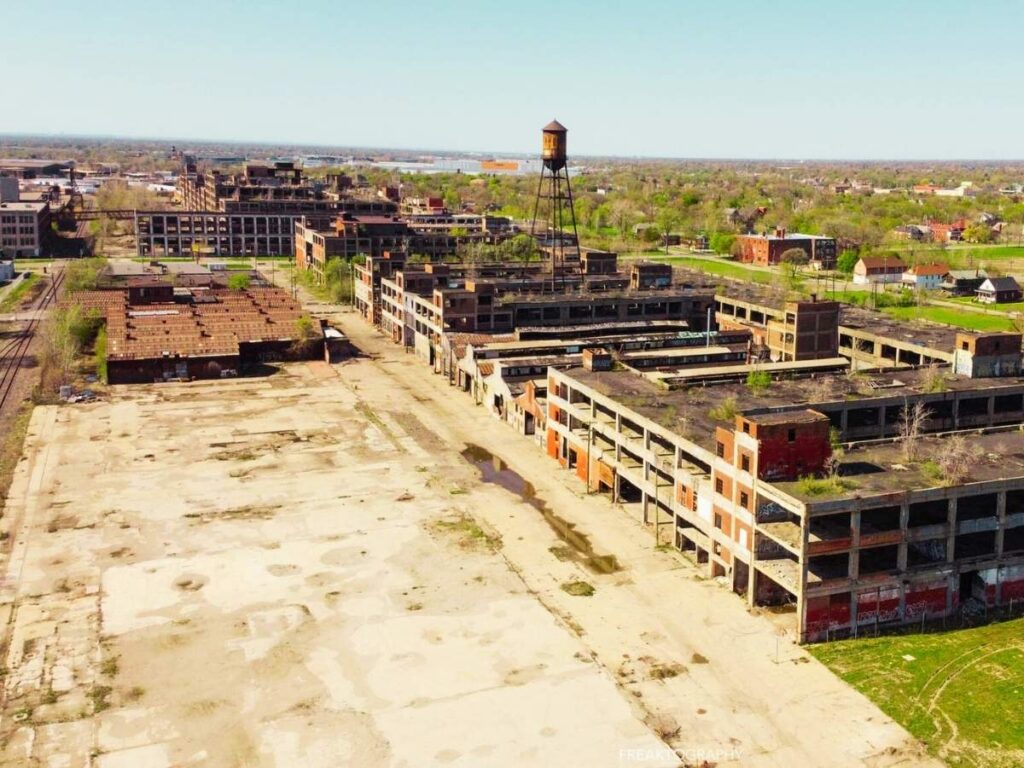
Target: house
(963,282)
(948,233)
(999,290)
(878,269)
(925,277)
(919,233)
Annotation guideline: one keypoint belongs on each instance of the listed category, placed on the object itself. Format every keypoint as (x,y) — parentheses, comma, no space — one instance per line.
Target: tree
(978,233)
(721,242)
(909,426)
(794,258)
(522,247)
(847,261)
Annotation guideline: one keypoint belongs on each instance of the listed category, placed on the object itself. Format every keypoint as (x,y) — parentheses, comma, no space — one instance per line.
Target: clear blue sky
(741,78)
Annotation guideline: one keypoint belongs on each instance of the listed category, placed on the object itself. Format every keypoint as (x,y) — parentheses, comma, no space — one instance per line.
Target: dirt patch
(248,512)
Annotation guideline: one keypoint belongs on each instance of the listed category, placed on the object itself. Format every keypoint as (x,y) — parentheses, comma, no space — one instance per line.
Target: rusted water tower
(559,245)
(553,147)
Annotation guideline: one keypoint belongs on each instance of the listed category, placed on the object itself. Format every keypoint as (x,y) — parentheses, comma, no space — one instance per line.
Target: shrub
(725,410)
(758,381)
(240,281)
(101,355)
(824,486)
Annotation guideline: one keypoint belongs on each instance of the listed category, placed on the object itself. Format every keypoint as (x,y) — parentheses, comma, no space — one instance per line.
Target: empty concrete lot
(264,573)
(303,570)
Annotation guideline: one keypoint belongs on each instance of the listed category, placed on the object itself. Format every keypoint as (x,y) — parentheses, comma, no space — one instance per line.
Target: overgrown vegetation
(83,274)
(832,485)
(66,335)
(758,382)
(239,281)
(100,354)
(337,283)
(725,410)
(11,442)
(19,292)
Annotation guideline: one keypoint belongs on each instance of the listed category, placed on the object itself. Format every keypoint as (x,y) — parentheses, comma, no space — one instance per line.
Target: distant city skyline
(735,80)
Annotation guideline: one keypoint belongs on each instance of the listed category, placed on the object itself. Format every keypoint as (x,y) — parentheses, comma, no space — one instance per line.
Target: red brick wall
(780,459)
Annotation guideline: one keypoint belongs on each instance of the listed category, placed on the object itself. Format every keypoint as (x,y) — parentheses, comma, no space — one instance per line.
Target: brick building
(766,250)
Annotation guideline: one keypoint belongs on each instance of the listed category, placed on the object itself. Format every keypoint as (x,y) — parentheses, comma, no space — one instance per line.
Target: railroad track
(14,351)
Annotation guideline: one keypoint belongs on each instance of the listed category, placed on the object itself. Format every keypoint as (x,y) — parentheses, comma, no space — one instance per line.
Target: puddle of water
(494,470)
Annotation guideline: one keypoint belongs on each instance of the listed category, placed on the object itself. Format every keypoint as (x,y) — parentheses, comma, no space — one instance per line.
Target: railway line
(14,351)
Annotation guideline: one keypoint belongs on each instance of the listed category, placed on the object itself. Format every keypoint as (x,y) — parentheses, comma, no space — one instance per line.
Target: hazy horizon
(189,142)
(663,80)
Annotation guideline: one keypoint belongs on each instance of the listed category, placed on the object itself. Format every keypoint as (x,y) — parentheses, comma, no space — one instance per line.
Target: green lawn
(717,267)
(963,256)
(1011,307)
(14,296)
(960,692)
(972,321)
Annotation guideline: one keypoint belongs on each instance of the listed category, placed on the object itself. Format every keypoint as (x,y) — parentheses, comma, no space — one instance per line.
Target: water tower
(554,187)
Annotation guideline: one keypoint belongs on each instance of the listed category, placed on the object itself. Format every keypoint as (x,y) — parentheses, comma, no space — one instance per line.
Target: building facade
(23,229)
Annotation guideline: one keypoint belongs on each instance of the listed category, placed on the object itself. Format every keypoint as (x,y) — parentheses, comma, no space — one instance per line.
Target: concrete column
(853,569)
(951,538)
(1001,517)
(901,556)
(881,421)
(854,624)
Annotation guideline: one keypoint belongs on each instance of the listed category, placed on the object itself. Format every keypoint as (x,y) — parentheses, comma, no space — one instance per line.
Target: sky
(795,79)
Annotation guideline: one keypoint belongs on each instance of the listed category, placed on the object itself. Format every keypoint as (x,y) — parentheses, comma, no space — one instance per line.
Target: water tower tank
(553,150)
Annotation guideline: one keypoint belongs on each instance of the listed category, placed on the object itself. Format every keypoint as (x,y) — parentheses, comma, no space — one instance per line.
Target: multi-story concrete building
(757,495)
(249,214)
(745,478)
(422,305)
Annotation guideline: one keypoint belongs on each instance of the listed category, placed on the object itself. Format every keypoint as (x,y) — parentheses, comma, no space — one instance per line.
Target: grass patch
(972,321)
(931,470)
(110,666)
(1013,306)
(11,445)
(16,294)
(98,696)
(959,692)
(824,486)
(468,533)
(718,267)
(578,588)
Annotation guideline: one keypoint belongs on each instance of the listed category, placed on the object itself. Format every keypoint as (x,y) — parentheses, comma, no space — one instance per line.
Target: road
(740,691)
